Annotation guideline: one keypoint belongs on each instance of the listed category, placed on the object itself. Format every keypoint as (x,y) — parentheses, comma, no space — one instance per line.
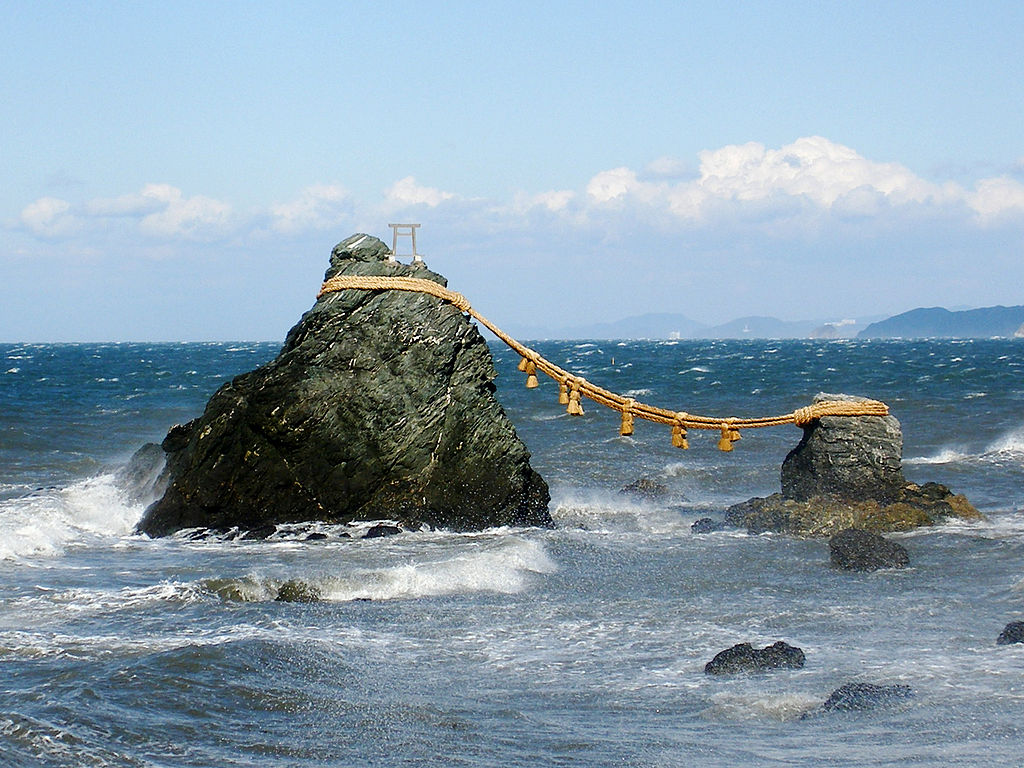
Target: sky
(181,171)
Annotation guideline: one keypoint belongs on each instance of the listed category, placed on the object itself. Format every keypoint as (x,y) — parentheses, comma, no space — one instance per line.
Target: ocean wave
(503,566)
(762,706)
(1009,447)
(45,522)
(603,512)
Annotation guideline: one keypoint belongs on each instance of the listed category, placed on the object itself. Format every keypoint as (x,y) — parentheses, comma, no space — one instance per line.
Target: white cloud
(197,217)
(48,217)
(407,192)
(320,206)
(996,197)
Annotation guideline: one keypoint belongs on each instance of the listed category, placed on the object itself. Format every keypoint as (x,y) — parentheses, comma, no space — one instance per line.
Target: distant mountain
(938,322)
(758,328)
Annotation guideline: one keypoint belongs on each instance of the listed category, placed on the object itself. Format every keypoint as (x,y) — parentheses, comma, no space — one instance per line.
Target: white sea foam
(44,523)
(504,566)
(602,512)
(1009,447)
(761,705)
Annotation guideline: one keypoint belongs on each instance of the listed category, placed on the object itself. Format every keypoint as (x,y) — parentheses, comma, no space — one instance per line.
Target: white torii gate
(404,230)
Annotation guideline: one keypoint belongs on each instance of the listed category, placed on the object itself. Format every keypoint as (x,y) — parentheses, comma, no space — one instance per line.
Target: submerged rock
(860,696)
(846,472)
(646,488)
(380,405)
(1012,633)
(745,658)
(707,525)
(856,550)
(295,591)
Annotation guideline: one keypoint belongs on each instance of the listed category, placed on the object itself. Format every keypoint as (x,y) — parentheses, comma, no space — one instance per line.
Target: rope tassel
(679,437)
(575,407)
(729,436)
(563,394)
(523,362)
(531,375)
(627,419)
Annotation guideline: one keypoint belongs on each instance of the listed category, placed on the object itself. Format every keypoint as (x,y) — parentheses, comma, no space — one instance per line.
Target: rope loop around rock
(572,388)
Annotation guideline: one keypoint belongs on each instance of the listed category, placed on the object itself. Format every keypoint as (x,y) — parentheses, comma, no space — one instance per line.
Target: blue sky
(182,170)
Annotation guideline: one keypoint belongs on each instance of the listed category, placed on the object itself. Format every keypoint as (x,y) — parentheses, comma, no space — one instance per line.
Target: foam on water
(504,566)
(45,522)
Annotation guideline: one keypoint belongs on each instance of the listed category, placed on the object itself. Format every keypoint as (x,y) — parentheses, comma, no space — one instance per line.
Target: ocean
(583,645)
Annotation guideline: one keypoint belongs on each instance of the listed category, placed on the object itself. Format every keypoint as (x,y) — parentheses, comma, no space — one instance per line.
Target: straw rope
(573,388)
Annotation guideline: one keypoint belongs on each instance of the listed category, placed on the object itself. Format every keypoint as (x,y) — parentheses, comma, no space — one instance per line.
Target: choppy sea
(578,646)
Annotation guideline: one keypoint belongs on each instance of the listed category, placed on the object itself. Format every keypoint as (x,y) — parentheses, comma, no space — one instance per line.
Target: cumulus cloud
(197,217)
(320,206)
(407,192)
(48,217)
(994,198)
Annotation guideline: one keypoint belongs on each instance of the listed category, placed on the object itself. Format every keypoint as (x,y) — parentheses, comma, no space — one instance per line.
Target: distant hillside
(938,322)
(758,328)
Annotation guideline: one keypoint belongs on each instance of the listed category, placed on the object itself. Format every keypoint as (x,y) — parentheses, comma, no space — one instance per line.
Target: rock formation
(1012,633)
(380,405)
(846,472)
(856,550)
(860,696)
(745,658)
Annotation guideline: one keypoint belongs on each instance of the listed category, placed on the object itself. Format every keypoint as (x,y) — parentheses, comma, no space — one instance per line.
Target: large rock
(744,657)
(856,458)
(846,472)
(380,405)
(856,550)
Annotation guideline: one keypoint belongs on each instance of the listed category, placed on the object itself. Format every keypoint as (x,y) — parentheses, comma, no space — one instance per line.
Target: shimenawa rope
(572,388)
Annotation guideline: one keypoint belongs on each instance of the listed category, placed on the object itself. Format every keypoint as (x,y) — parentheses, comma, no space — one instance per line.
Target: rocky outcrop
(861,696)
(1012,633)
(856,550)
(846,472)
(745,658)
(380,405)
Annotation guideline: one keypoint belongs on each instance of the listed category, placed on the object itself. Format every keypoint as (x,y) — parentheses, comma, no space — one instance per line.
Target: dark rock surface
(646,488)
(707,525)
(860,696)
(380,405)
(854,458)
(846,472)
(745,658)
(1012,633)
(857,550)
(382,531)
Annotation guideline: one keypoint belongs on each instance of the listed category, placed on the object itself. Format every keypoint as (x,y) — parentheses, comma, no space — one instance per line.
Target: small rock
(1012,633)
(860,696)
(745,658)
(646,488)
(707,525)
(258,534)
(856,550)
(380,531)
(315,536)
(295,591)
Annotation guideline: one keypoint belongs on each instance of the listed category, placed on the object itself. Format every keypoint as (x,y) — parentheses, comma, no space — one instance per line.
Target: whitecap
(44,523)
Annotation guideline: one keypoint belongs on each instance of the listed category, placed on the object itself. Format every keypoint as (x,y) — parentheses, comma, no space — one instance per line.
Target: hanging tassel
(725,441)
(523,362)
(575,408)
(531,375)
(679,437)
(563,394)
(627,419)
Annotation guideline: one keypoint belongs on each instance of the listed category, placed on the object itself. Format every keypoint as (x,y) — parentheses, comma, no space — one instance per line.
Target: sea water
(582,645)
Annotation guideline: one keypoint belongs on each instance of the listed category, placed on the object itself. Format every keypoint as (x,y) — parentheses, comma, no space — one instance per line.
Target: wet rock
(857,550)
(745,658)
(380,531)
(646,488)
(295,591)
(380,405)
(846,472)
(1012,633)
(707,525)
(856,458)
(259,534)
(315,536)
(861,696)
